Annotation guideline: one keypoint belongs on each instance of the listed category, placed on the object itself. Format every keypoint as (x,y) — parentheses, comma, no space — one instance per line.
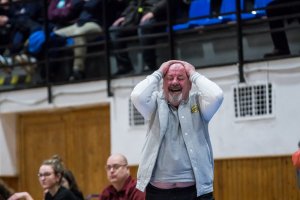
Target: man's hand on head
(164,67)
(189,68)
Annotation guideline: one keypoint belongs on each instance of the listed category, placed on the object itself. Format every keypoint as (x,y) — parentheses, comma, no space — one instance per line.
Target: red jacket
(128,192)
(296,159)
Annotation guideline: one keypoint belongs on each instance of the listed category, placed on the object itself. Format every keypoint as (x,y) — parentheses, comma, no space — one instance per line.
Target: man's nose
(111,170)
(174,80)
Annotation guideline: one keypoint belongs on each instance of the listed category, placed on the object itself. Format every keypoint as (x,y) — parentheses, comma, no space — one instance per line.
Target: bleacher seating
(207,39)
(198,9)
(201,9)
(228,11)
(259,8)
(228,6)
(258,11)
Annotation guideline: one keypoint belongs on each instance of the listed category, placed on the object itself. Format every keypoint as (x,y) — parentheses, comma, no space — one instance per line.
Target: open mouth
(178,90)
(175,89)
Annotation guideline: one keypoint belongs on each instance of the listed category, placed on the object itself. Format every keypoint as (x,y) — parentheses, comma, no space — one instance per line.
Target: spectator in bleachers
(144,14)
(23,19)
(63,13)
(69,182)
(4,26)
(88,27)
(281,8)
(122,184)
(50,177)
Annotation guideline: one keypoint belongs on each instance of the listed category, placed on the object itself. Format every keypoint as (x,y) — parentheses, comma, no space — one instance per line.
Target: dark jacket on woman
(61,194)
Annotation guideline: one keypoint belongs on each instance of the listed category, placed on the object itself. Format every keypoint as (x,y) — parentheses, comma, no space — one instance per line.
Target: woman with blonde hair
(50,176)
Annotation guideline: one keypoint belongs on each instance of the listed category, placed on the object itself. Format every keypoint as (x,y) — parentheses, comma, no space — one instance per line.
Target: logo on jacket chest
(194,109)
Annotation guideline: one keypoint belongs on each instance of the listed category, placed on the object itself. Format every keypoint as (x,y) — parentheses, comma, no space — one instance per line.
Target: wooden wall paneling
(255,178)
(246,165)
(41,136)
(271,166)
(239,175)
(89,147)
(80,136)
(11,182)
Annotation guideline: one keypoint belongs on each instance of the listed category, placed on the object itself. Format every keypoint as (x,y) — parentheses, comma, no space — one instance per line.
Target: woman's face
(47,177)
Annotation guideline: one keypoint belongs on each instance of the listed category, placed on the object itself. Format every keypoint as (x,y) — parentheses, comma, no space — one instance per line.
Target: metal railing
(101,52)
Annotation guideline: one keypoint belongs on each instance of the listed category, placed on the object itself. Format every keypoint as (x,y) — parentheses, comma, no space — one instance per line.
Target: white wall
(264,137)
(8,145)
(274,136)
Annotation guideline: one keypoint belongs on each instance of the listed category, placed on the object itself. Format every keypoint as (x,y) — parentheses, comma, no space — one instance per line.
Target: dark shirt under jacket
(61,194)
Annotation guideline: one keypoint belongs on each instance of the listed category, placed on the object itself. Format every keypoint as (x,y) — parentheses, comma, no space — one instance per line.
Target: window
(135,117)
(253,101)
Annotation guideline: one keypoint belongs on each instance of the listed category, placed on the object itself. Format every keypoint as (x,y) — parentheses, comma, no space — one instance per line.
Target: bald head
(120,158)
(117,170)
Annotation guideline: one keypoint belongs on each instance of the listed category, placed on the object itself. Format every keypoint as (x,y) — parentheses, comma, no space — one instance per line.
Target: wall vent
(253,101)
(135,117)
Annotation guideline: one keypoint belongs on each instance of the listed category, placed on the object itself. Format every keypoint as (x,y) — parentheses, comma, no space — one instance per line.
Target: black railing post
(170,32)
(106,49)
(46,54)
(240,49)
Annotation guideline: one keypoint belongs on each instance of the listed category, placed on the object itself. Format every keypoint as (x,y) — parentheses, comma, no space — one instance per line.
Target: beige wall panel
(81,137)
(41,137)
(89,147)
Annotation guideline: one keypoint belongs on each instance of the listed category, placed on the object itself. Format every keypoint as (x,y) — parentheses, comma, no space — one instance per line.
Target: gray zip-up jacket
(194,116)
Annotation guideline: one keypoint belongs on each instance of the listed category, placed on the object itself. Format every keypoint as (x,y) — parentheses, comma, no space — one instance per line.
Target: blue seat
(259,8)
(227,13)
(229,6)
(198,8)
(201,8)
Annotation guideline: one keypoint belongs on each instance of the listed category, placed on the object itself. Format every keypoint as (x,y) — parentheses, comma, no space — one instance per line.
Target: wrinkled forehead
(176,68)
(115,159)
